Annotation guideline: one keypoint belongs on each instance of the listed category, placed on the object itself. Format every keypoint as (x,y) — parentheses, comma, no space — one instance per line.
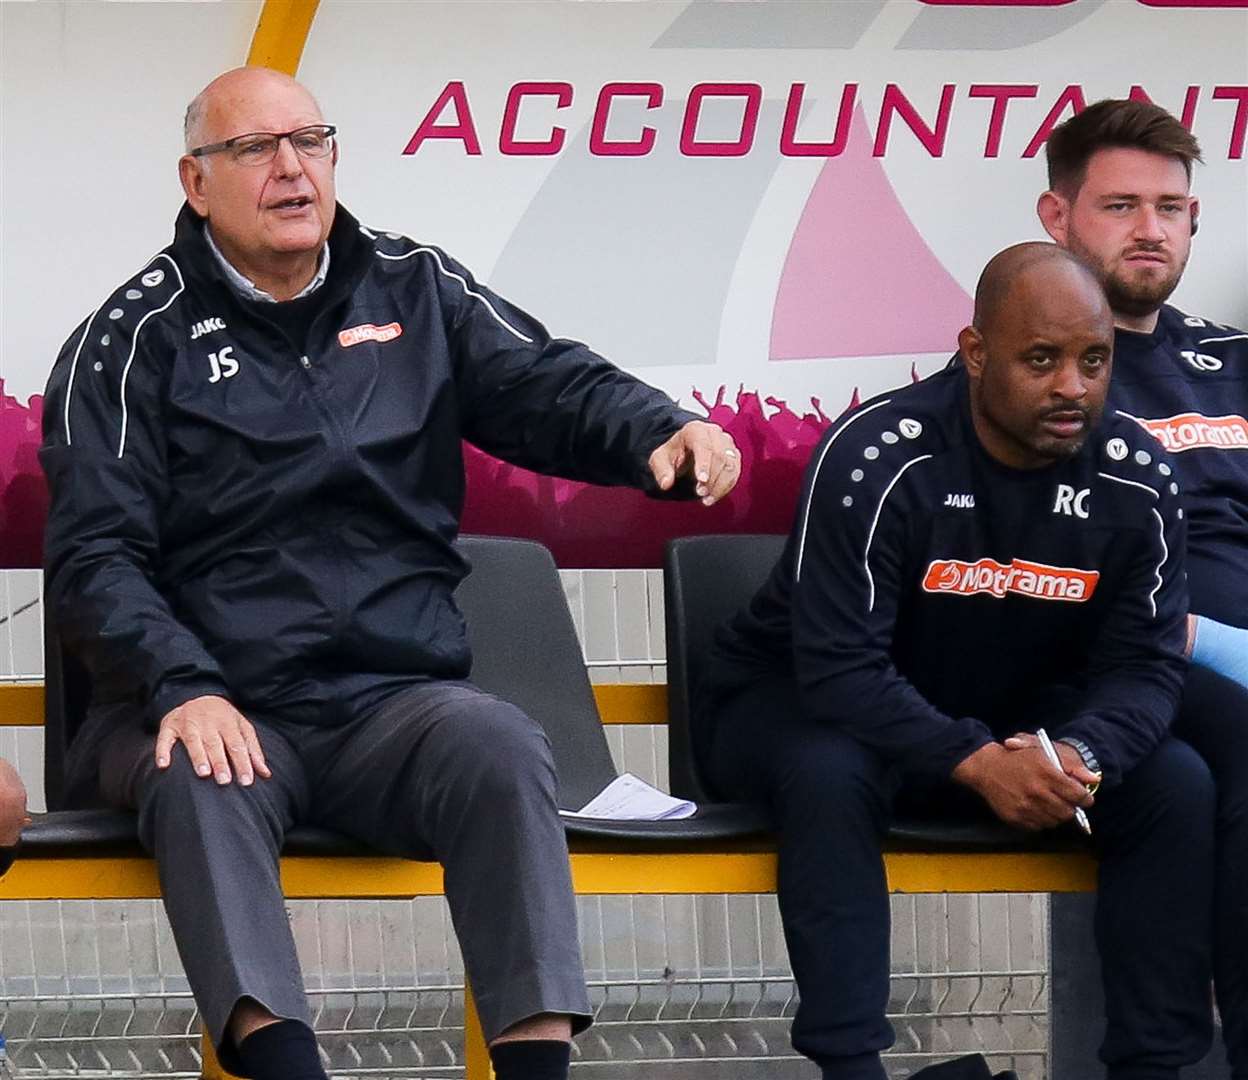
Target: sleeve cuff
(173,694)
(941,761)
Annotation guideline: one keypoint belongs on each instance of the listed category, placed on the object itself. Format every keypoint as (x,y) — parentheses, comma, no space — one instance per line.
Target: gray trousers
(438,770)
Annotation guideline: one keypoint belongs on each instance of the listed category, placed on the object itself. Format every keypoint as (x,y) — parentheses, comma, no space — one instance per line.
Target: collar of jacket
(350,250)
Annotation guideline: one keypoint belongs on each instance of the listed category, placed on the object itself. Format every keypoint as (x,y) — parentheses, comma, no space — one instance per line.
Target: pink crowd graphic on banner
(24,502)
(584,526)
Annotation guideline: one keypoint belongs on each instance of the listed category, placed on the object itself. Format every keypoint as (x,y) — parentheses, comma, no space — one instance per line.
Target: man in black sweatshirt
(1120,198)
(975,557)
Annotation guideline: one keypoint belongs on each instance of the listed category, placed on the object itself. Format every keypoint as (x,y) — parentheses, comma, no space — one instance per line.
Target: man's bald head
(268,201)
(228,91)
(1026,266)
(1038,355)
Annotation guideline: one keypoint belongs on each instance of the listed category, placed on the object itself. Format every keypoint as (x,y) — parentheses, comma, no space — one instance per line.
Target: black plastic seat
(706,580)
(525,650)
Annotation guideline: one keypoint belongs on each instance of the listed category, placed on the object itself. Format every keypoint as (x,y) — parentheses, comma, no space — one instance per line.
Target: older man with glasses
(253,448)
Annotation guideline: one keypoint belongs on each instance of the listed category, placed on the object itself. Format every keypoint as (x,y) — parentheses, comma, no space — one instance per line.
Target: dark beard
(1139,299)
(1134,300)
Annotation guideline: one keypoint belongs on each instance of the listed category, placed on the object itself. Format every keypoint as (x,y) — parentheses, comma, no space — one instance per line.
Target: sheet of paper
(628,799)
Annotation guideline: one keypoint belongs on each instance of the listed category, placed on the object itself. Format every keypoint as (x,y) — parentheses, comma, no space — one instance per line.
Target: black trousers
(1213,717)
(832,800)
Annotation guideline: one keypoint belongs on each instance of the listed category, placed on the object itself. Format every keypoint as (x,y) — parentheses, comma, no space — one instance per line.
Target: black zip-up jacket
(1187,384)
(239,512)
(930,599)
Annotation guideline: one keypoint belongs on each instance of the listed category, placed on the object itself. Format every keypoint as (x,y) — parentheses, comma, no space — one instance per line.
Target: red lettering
(1059,3)
(463,128)
(599,144)
(896,102)
(1240,94)
(690,146)
(507,141)
(1002,94)
(1138,93)
(1071,97)
(790,147)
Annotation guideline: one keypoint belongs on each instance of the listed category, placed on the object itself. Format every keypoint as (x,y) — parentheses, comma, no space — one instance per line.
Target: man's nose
(1148,224)
(1069,383)
(287,163)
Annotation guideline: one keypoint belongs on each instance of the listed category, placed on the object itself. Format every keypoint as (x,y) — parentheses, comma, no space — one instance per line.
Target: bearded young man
(1120,199)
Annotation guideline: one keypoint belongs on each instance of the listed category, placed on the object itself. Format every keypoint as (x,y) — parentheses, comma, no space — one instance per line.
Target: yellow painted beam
(593,873)
(211,1068)
(477,1064)
(21,704)
(910,872)
(700,872)
(362,877)
(107,878)
(281,34)
(632,703)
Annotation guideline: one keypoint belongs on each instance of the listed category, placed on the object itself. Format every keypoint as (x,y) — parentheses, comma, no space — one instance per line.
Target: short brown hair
(1136,125)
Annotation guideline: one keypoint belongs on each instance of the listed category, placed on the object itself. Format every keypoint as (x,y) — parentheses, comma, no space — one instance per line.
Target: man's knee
(175,799)
(501,750)
(12,804)
(830,776)
(1171,790)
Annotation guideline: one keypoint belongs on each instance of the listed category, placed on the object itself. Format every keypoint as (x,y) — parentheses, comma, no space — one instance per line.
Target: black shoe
(971,1067)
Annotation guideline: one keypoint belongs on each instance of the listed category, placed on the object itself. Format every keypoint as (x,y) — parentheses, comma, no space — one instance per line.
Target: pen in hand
(1050,752)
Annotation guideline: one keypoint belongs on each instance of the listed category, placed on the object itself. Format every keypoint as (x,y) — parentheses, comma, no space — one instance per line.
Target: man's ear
(971,346)
(1193,209)
(191,173)
(1054,213)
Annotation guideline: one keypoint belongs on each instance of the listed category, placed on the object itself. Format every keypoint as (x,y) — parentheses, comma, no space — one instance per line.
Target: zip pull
(305,362)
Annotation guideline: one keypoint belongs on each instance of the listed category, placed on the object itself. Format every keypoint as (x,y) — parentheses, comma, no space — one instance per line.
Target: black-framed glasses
(260,147)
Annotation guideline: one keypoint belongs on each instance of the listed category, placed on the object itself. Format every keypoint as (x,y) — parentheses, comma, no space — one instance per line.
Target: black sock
(282,1051)
(531,1059)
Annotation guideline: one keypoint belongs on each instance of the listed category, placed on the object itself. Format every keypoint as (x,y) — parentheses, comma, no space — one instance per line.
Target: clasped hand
(1021,785)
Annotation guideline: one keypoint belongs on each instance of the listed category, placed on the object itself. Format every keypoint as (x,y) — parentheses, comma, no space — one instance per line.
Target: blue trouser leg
(830,797)
(1213,718)
(1154,836)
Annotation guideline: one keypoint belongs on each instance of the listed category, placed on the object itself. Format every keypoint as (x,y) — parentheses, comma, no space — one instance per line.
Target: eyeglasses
(260,147)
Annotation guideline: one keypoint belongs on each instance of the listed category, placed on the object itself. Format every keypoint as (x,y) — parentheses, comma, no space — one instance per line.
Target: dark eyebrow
(1165,197)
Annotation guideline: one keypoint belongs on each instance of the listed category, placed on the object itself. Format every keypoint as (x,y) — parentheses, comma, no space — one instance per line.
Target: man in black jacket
(976,557)
(253,449)
(12,813)
(1120,198)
